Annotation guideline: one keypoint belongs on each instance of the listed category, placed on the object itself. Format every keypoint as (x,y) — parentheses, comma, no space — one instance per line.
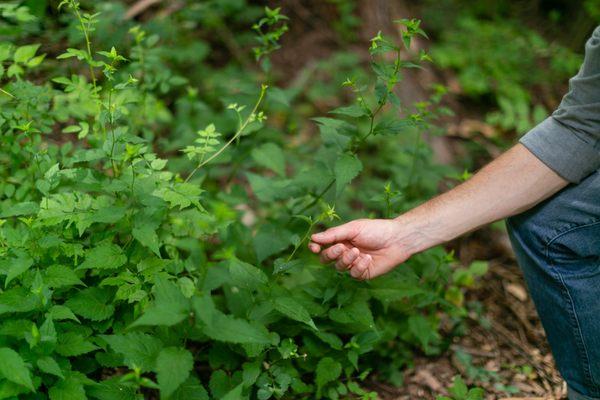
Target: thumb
(336,234)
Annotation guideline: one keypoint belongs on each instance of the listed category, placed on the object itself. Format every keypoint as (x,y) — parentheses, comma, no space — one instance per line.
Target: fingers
(340,233)
(346,259)
(360,268)
(315,248)
(333,253)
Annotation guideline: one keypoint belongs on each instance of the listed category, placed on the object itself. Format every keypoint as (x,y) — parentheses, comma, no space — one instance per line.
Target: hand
(366,247)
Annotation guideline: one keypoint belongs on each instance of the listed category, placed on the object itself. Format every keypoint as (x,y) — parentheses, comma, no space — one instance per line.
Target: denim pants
(557,244)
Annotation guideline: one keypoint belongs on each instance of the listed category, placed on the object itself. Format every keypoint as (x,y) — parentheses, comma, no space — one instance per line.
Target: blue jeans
(557,244)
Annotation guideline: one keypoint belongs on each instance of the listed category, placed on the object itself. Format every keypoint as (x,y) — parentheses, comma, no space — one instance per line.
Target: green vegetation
(157,191)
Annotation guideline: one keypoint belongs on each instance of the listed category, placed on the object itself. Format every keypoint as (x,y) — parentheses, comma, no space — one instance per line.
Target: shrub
(137,263)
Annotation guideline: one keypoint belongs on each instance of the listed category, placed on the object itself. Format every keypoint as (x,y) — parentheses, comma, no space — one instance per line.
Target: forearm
(514,182)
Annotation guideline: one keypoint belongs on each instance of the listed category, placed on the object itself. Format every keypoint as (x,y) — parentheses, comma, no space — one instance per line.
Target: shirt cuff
(562,150)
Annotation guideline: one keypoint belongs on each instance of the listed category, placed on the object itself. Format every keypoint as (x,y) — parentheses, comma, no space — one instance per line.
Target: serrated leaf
(92,303)
(235,393)
(13,368)
(68,389)
(169,307)
(72,344)
(328,370)
(181,195)
(353,110)
(246,275)
(270,155)
(139,350)
(59,313)
(282,265)
(16,266)
(48,365)
(104,256)
(191,389)
(25,208)
(392,126)
(173,367)
(227,328)
(112,389)
(347,167)
(145,233)
(57,276)
(24,53)
(294,310)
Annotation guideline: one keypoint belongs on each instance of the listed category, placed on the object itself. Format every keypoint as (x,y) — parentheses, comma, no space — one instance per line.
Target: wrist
(418,232)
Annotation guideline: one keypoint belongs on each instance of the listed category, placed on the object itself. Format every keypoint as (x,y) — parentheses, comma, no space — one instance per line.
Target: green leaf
(270,189)
(235,393)
(282,265)
(392,126)
(104,256)
(72,344)
(353,110)
(246,275)
(328,370)
(59,313)
(145,233)
(113,389)
(347,167)
(13,368)
(270,156)
(181,195)
(169,307)
(48,365)
(271,239)
(16,266)
(459,388)
(57,276)
(25,208)
(24,53)
(227,328)
(294,310)
(139,350)
(173,366)
(92,303)
(191,389)
(18,299)
(423,330)
(68,389)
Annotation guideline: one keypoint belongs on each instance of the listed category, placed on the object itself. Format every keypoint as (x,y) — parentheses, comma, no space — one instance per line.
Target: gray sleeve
(569,140)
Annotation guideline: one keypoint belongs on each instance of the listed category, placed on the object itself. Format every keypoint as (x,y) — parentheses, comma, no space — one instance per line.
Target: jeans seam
(582,348)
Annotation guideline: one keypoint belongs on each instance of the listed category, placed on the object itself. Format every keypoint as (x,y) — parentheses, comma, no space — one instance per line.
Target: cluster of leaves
(494,56)
(131,270)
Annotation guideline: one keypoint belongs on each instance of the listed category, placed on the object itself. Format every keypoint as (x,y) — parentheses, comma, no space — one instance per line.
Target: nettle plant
(122,279)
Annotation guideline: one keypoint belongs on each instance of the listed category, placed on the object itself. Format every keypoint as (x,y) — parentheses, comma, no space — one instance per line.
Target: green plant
(131,258)
(460,391)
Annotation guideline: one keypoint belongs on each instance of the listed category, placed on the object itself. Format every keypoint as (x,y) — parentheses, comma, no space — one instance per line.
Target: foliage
(460,391)
(499,58)
(134,261)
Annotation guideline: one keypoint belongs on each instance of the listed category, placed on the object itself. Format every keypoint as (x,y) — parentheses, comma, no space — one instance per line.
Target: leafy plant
(151,247)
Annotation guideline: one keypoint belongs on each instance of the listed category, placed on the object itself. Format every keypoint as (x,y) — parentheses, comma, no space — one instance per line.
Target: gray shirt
(569,140)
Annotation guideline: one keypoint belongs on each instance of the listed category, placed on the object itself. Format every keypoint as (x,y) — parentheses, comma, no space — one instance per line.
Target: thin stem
(237,134)
(301,242)
(87,44)
(112,133)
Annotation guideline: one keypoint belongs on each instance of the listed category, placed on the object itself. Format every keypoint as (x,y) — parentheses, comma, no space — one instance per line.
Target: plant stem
(235,136)
(87,44)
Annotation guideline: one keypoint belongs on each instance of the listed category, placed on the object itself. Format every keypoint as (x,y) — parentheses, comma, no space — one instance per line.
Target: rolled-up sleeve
(569,140)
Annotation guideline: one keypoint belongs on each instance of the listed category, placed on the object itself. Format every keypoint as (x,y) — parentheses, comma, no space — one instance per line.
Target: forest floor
(507,355)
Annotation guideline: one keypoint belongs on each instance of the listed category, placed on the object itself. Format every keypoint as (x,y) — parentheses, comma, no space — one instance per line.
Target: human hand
(366,247)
